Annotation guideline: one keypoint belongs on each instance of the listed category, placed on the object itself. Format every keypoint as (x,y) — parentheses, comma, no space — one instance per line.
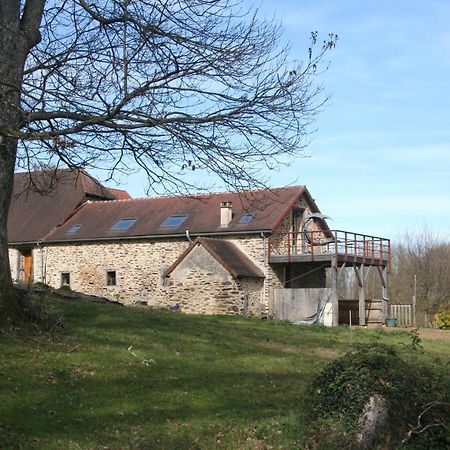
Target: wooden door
(27,266)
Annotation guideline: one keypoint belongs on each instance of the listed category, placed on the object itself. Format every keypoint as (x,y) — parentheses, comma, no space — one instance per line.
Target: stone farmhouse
(266,253)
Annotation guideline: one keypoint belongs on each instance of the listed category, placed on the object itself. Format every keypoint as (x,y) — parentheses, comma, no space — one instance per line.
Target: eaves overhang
(28,243)
(150,236)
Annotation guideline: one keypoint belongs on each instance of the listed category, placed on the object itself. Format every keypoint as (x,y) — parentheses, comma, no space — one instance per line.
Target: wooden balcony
(335,247)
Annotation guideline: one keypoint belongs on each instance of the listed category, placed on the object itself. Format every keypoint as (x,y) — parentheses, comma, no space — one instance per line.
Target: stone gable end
(201,285)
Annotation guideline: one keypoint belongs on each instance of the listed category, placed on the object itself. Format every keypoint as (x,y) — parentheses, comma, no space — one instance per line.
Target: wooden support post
(341,271)
(386,271)
(362,295)
(334,293)
(414,303)
(384,290)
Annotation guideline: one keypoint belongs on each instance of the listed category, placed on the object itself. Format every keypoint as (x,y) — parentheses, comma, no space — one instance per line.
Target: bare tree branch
(168,87)
(200,81)
(30,22)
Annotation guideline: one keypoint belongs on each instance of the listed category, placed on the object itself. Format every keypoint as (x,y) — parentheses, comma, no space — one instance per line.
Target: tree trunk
(12,59)
(10,310)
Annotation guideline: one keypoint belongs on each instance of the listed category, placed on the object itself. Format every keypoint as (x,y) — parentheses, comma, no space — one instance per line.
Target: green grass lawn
(187,382)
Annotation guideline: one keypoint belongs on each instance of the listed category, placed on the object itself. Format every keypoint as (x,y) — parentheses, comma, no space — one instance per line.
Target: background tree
(426,256)
(168,86)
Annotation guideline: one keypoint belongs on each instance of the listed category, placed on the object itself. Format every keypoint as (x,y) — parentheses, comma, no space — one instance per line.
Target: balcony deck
(337,248)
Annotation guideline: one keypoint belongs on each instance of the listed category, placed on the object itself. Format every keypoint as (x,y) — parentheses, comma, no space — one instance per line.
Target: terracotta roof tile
(43,200)
(120,194)
(203,215)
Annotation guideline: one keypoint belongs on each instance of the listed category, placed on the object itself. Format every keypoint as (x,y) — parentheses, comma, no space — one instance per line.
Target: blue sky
(380,159)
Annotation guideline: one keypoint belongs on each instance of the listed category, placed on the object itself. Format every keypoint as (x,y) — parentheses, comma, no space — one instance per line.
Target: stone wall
(38,264)
(139,265)
(200,284)
(13,263)
(257,249)
(284,240)
(254,300)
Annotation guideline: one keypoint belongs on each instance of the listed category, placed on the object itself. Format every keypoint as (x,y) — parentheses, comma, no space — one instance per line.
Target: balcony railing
(347,246)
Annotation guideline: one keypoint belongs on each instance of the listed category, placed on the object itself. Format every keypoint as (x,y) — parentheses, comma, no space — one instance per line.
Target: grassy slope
(207,382)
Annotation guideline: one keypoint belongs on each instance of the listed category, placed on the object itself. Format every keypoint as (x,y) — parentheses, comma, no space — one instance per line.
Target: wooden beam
(383,272)
(358,277)
(383,275)
(362,295)
(341,271)
(334,294)
(367,273)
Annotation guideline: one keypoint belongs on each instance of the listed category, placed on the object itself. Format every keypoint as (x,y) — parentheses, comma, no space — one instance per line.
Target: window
(65,279)
(174,221)
(111,278)
(246,218)
(124,224)
(74,228)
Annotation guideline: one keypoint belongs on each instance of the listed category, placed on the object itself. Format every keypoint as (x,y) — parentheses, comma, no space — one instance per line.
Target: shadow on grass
(187,381)
(88,403)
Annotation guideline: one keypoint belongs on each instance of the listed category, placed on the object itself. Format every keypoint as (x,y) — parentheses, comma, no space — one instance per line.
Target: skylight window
(124,224)
(174,221)
(74,228)
(246,218)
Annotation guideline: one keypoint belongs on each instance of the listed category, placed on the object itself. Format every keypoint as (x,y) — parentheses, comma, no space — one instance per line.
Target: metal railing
(349,246)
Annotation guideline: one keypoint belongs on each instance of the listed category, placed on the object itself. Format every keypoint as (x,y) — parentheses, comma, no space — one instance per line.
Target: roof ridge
(115,200)
(204,195)
(83,181)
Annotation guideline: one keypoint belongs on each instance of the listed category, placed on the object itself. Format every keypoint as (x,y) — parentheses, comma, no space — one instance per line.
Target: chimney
(226,213)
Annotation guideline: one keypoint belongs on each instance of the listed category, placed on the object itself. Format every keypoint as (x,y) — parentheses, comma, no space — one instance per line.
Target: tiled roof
(268,207)
(227,254)
(43,200)
(120,194)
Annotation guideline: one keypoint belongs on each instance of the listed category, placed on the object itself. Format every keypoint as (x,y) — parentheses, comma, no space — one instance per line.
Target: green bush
(65,287)
(42,286)
(338,395)
(442,319)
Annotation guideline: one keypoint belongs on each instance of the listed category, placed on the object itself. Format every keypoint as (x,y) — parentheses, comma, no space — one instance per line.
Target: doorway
(27,273)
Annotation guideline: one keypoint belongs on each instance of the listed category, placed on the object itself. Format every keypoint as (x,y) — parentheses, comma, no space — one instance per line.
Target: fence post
(414,302)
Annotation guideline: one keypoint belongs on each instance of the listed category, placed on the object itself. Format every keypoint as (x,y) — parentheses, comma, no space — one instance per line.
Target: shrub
(41,286)
(442,319)
(338,395)
(65,287)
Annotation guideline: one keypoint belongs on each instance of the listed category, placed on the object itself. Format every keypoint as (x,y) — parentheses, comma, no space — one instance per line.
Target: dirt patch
(426,333)
(434,333)
(282,347)
(324,352)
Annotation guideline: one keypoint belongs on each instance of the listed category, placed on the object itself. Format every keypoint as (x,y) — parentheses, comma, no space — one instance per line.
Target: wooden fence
(403,314)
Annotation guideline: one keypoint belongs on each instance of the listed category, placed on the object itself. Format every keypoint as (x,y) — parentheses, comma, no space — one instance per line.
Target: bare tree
(168,86)
(426,257)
